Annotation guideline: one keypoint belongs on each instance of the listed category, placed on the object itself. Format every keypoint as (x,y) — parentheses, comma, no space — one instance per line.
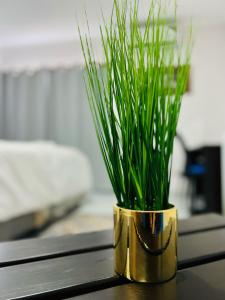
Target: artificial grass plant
(135,101)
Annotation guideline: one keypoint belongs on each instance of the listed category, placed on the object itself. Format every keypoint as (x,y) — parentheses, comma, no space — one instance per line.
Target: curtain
(50,105)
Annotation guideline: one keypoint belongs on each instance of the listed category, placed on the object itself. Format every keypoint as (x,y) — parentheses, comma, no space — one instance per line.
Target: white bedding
(34,175)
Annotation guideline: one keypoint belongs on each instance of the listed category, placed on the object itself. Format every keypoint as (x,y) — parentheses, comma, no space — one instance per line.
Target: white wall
(202,118)
(48,54)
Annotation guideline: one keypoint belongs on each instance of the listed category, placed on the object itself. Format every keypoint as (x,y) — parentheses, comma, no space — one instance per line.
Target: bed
(40,182)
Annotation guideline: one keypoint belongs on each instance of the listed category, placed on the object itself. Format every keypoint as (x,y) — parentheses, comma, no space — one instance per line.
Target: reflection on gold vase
(145,244)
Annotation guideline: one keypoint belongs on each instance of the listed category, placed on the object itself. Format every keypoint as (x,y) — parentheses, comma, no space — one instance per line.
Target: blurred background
(52,177)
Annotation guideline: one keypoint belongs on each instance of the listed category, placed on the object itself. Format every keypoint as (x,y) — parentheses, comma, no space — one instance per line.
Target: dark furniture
(203,169)
(81,266)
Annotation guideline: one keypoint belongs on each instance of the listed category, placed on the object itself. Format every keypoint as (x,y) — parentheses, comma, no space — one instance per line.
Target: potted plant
(135,99)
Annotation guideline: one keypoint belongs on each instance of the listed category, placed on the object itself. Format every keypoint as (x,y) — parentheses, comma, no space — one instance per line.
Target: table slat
(38,249)
(201,223)
(16,252)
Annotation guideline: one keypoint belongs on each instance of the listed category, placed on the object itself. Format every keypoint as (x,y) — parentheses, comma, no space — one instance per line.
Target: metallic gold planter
(145,244)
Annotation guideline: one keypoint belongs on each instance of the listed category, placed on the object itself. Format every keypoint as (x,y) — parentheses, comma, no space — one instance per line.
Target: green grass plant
(135,101)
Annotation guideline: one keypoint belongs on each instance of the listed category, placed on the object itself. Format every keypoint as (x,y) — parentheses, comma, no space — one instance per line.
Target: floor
(95,213)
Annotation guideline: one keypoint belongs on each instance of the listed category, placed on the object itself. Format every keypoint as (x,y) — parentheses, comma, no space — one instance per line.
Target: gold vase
(145,244)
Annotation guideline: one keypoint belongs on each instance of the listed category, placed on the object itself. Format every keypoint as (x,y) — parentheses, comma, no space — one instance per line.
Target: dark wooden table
(81,267)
